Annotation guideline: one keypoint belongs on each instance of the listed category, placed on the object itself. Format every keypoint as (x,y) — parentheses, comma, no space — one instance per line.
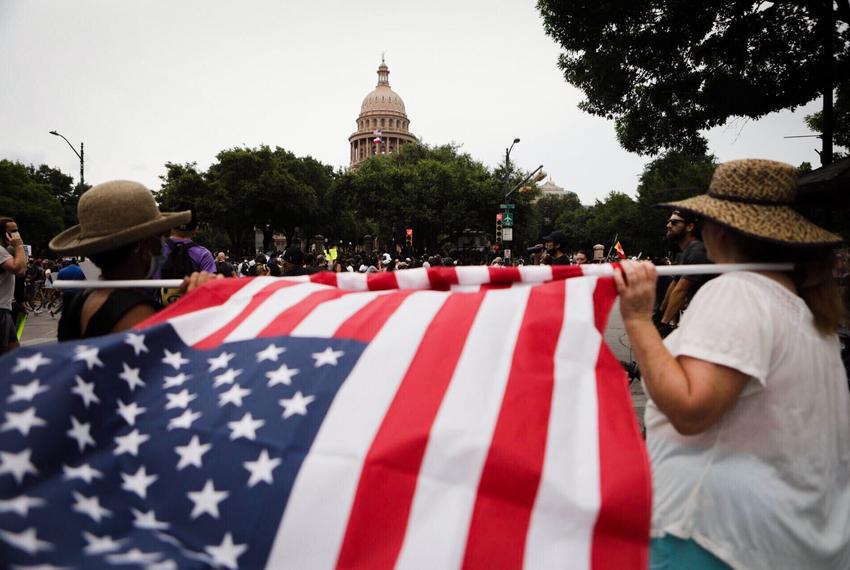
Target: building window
(382,122)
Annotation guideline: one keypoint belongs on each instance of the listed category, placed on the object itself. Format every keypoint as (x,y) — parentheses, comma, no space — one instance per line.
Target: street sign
(507,206)
(507,254)
(508,219)
(507,234)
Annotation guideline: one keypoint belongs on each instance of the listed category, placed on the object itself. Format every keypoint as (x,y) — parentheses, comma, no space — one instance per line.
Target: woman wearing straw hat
(748,423)
(120,230)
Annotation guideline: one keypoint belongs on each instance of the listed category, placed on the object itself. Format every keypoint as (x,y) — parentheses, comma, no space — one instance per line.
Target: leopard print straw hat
(756,197)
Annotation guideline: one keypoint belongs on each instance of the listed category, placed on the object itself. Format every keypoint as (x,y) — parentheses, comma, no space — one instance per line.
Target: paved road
(615,336)
(41,329)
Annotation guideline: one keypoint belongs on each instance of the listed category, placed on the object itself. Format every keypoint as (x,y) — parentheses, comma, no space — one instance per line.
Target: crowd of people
(748,412)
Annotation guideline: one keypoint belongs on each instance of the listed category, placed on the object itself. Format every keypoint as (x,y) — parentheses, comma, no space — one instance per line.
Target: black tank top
(104,319)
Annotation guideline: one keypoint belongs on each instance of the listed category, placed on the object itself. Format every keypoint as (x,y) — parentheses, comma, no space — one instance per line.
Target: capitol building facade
(382,126)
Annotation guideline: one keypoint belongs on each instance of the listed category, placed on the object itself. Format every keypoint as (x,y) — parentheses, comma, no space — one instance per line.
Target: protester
(293,263)
(13,262)
(749,414)
(182,257)
(556,247)
(119,230)
(580,257)
(70,272)
(222,266)
(682,229)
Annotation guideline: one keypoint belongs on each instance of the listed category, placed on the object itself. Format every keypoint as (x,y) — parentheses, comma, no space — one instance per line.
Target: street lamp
(80,155)
(508,157)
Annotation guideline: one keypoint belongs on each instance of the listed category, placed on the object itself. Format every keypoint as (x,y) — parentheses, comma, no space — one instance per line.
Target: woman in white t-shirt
(748,423)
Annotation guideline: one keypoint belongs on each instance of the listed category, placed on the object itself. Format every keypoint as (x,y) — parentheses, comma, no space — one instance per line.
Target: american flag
(442,418)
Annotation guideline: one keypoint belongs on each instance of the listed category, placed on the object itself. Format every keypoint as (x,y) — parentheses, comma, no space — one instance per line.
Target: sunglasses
(674,222)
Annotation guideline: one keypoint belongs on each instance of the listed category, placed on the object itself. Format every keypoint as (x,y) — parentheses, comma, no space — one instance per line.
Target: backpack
(178,264)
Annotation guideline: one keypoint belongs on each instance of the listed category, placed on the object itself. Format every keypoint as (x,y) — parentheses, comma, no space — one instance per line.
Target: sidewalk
(615,336)
(40,329)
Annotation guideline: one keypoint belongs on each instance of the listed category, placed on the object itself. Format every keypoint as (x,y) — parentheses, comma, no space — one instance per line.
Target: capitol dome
(383,98)
(382,126)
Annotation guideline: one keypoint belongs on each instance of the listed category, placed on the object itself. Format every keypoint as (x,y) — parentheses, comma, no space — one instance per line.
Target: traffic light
(408,238)
(499,227)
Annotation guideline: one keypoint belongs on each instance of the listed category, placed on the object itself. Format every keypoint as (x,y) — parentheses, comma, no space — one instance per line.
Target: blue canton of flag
(138,449)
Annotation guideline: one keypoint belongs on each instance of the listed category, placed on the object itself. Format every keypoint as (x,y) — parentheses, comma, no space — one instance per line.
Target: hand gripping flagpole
(662,270)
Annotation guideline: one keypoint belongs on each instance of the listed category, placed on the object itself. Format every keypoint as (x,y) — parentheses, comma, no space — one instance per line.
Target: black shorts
(8,331)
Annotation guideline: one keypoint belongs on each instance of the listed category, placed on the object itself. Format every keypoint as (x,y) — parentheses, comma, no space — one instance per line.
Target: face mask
(157,261)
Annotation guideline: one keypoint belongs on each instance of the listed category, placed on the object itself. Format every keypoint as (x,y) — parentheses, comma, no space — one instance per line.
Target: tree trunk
(268,237)
(827,126)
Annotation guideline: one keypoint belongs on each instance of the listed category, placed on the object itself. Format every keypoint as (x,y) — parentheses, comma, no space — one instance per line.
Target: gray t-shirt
(694,254)
(7,282)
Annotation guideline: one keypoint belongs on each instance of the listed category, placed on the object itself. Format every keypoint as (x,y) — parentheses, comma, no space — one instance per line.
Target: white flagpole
(707,269)
(119,284)
(717,268)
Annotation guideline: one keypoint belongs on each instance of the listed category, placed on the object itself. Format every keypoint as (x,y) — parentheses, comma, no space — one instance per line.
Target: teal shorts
(672,553)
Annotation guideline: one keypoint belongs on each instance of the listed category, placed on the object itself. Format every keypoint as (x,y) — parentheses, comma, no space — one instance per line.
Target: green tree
(62,186)
(616,217)
(672,176)
(666,69)
(841,119)
(270,189)
(31,203)
(573,221)
(184,186)
(437,191)
(565,213)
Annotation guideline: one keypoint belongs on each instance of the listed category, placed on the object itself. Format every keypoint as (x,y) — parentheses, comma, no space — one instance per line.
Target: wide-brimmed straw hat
(113,214)
(756,197)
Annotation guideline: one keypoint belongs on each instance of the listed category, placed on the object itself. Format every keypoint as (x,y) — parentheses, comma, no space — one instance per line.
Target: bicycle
(41,298)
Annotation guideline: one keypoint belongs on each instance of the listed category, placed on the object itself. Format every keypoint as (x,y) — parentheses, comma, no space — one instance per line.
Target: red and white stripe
(485,425)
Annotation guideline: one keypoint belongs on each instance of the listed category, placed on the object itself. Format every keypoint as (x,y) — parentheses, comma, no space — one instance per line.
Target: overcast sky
(146,82)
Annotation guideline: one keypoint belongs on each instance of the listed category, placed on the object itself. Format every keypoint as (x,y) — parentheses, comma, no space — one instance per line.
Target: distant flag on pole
(620,253)
(377,139)
(443,418)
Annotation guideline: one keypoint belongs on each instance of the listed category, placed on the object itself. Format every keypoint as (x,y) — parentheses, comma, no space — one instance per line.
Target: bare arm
(692,393)
(677,295)
(17,264)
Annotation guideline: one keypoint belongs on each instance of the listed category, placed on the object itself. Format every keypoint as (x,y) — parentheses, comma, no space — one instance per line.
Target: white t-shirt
(768,486)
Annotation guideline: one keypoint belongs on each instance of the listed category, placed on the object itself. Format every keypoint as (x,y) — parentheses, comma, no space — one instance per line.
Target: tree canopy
(31,201)
(437,191)
(270,189)
(666,69)
(841,117)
